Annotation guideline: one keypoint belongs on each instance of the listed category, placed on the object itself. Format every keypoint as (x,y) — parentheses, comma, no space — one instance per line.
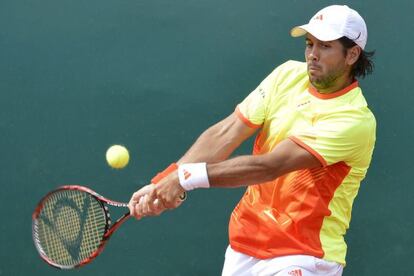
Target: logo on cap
(334,22)
(318,17)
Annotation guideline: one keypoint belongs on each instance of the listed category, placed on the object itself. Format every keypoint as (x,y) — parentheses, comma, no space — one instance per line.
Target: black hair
(364,65)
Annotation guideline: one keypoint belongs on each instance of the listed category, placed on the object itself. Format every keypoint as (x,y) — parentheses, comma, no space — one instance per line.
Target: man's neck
(337,86)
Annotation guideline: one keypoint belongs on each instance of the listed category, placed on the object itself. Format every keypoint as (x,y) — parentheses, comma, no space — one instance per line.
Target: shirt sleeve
(342,136)
(252,110)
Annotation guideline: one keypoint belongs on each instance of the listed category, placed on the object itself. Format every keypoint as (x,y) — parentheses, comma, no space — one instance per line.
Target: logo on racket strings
(65,214)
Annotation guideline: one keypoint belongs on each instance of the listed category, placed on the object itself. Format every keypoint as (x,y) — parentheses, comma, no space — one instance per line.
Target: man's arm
(215,144)
(218,142)
(286,157)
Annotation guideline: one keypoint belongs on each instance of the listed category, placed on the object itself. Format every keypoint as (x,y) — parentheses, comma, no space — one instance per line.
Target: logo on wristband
(193,176)
(187,174)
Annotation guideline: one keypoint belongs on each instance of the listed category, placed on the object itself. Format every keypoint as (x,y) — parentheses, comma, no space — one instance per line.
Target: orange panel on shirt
(286,215)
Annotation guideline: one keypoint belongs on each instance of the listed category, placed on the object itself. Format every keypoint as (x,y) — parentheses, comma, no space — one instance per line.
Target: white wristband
(193,176)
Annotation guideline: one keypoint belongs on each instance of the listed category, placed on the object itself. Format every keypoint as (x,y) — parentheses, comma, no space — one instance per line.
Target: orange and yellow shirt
(307,211)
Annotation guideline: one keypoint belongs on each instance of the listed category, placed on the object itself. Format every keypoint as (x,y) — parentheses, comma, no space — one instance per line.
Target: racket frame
(109,230)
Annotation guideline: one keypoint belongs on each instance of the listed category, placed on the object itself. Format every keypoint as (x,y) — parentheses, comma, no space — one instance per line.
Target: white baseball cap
(334,22)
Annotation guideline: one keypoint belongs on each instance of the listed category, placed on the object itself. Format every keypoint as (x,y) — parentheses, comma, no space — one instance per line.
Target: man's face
(327,63)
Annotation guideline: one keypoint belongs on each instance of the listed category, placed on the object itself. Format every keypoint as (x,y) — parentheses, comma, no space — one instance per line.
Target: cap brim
(320,31)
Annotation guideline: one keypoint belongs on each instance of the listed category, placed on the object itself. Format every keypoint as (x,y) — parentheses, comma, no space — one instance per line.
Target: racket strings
(70,227)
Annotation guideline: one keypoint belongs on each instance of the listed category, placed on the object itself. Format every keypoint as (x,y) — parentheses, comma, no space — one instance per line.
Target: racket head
(70,226)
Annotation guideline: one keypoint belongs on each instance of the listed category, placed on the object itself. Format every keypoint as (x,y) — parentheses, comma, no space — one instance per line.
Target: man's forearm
(253,169)
(242,171)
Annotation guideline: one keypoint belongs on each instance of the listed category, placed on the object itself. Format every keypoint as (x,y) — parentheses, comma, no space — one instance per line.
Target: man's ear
(353,54)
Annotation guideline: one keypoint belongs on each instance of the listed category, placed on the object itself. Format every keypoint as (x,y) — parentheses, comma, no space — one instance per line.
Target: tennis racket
(71,226)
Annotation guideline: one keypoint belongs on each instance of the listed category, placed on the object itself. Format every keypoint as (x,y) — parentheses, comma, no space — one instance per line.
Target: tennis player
(314,145)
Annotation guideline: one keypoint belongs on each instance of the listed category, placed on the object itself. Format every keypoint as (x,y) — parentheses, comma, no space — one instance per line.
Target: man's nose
(313,54)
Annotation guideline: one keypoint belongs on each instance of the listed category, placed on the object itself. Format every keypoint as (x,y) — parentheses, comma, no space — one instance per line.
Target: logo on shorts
(296,272)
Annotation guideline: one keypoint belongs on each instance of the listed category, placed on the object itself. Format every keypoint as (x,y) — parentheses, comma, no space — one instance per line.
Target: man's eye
(326,46)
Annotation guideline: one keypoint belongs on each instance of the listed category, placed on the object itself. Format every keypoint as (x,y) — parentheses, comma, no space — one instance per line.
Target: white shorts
(239,264)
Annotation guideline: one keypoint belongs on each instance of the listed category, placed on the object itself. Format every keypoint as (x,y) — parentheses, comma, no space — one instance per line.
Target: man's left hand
(153,199)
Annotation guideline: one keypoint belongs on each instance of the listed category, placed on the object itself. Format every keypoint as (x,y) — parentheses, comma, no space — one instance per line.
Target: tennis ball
(117,156)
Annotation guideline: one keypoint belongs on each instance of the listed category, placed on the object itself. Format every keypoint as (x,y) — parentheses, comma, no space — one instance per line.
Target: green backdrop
(77,76)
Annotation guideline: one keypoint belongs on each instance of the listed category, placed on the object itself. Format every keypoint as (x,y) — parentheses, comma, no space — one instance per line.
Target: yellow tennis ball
(117,156)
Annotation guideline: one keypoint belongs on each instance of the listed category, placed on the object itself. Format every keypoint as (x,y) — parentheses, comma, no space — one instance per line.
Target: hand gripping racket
(71,226)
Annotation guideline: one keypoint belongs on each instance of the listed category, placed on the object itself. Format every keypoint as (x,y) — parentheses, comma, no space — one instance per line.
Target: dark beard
(325,82)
